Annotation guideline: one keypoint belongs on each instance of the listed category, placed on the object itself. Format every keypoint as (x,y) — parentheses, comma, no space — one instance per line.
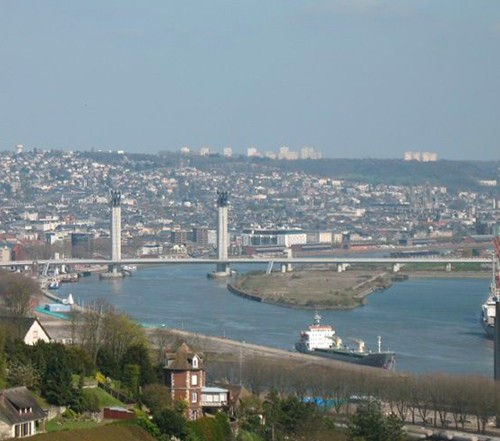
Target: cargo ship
(321,340)
(488,308)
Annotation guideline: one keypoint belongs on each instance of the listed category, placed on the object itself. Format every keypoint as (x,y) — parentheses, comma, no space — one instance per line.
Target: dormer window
(195,362)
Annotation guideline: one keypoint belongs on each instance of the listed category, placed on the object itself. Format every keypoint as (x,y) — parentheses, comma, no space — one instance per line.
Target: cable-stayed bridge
(340,260)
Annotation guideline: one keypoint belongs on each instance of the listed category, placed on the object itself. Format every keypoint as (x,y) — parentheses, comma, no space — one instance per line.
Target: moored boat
(53,284)
(321,340)
(488,308)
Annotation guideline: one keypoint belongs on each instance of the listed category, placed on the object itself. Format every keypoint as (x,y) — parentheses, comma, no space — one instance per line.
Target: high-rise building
(429,156)
(283,152)
(200,236)
(420,156)
(252,152)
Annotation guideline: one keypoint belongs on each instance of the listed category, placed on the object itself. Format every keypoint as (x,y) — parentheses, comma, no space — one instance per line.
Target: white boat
(488,308)
(53,284)
(129,268)
(69,300)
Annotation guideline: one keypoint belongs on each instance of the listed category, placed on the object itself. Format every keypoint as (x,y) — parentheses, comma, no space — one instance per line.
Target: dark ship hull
(384,360)
(488,329)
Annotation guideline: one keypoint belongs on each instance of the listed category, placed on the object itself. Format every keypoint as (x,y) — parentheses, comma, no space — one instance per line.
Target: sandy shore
(448,275)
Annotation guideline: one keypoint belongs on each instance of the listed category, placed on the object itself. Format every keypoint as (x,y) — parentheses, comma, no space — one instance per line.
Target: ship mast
(496,265)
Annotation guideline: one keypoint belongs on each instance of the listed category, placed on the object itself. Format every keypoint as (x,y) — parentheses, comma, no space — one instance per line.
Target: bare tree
(16,291)
(161,339)
(119,332)
(91,327)
(459,401)
(482,399)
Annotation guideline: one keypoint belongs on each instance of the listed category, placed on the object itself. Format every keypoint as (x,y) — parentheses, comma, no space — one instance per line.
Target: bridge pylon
(114,269)
(222,268)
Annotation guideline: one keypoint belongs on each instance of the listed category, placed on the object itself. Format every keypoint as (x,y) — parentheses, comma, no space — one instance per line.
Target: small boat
(321,340)
(69,278)
(488,308)
(53,284)
(129,268)
(69,300)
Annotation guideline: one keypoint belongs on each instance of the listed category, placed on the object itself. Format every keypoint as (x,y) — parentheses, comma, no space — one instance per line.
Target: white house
(29,329)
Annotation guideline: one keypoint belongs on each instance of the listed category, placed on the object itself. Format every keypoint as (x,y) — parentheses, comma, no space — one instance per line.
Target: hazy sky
(352,78)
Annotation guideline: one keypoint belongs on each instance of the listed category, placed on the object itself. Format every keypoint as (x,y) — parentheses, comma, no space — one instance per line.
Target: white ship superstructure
(318,336)
(488,309)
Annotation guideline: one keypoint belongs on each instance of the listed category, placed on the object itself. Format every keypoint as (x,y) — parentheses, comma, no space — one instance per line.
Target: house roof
(213,390)
(13,400)
(20,325)
(182,359)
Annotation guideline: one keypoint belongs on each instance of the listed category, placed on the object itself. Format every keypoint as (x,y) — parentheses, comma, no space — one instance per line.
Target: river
(431,324)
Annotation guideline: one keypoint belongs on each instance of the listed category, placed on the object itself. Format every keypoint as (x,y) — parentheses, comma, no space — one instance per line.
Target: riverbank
(312,288)
(218,349)
(326,289)
(447,274)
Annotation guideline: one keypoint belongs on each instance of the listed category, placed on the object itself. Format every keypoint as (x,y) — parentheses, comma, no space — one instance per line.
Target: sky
(350,78)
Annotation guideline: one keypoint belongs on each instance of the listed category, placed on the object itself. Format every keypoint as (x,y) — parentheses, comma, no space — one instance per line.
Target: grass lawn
(104,399)
(57,425)
(108,432)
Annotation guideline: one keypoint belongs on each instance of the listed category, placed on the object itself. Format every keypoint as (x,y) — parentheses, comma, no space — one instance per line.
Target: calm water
(431,324)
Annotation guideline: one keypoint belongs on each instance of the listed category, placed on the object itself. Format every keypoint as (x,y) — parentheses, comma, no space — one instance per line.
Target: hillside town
(64,365)
(58,202)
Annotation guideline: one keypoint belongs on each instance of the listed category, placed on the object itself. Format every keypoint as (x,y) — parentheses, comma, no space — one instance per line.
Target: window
(194,380)
(195,361)
(194,397)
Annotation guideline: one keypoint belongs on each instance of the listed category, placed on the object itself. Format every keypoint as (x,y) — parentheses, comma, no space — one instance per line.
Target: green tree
(107,364)
(171,423)
(156,397)
(273,413)
(80,360)
(209,429)
(57,385)
(138,354)
(3,359)
(369,424)
(131,374)
(24,374)
(119,333)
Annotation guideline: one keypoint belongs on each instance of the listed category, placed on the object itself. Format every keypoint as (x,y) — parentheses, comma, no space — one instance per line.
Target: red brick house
(185,377)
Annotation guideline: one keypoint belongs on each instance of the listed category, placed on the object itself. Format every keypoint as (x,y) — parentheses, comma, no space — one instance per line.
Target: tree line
(438,400)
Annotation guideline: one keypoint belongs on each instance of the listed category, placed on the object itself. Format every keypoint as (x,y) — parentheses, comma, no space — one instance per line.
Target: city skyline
(359,78)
